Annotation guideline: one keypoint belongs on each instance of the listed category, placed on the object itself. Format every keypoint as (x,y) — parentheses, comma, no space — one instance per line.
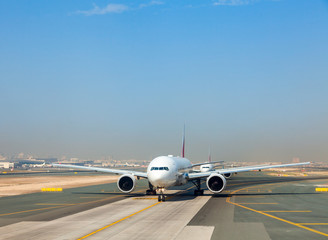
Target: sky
(92,79)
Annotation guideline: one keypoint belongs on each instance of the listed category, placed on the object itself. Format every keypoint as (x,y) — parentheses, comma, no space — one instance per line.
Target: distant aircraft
(39,165)
(210,166)
(167,171)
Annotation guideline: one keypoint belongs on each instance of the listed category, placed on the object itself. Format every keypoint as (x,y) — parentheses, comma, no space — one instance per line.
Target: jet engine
(126,183)
(228,175)
(216,183)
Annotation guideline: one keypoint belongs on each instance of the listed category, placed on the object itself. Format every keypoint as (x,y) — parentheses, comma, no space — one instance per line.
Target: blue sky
(98,78)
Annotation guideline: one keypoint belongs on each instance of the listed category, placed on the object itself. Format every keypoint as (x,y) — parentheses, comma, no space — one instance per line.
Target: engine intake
(126,183)
(216,183)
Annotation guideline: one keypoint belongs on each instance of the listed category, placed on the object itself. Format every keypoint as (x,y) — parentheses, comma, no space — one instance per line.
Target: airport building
(6,165)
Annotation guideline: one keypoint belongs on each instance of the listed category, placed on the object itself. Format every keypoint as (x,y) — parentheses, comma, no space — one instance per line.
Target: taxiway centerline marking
(287,211)
(32,210)
(122,219)
(258,203)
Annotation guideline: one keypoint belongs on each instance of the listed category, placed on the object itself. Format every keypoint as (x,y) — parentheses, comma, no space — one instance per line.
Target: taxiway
(253,206)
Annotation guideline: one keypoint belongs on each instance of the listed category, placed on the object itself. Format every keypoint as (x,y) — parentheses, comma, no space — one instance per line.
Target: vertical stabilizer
(183,142)
(209,155)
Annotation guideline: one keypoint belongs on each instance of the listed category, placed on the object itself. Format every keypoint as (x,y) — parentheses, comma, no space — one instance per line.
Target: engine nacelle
(126,183)
(216,183)
(228,175)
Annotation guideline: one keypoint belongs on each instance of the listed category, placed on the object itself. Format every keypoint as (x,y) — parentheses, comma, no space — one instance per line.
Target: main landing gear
(151,190)
(198,191)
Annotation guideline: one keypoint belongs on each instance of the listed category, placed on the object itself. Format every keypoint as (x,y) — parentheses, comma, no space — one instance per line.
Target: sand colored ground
(21,185)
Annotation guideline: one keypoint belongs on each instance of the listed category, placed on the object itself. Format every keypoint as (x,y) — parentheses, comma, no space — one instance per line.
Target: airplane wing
(199,164)
(241,169)
(107,170)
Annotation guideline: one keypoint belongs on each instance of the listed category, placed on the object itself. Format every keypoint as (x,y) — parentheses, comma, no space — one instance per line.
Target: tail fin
(209,155)
(183,142)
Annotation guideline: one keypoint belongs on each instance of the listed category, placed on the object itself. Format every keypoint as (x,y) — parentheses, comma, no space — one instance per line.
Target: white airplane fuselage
(167,171)
(206,168)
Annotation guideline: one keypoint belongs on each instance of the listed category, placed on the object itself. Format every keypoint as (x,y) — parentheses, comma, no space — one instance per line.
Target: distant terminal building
(7,165)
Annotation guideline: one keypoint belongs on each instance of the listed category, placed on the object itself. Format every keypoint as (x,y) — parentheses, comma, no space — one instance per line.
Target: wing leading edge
(107,170)
(241,169)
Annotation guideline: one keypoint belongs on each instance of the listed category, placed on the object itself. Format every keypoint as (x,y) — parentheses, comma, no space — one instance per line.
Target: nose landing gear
(161,196)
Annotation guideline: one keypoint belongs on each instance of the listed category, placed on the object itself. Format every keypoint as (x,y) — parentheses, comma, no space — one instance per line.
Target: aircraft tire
(161,198)
(198,192)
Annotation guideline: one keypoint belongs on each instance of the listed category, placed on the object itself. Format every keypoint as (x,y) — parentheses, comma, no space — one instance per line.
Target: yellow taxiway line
(287,211)
(300,225)
(58,206)
(122,219)
(258,203)
(32,210)
(313,223)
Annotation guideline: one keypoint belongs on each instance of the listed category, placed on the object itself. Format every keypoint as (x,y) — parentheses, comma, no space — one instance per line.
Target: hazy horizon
(92,79)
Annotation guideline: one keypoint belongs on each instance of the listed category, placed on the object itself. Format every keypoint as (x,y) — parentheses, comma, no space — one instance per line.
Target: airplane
(167,171)
(209,166)
(206,167)
(39,165)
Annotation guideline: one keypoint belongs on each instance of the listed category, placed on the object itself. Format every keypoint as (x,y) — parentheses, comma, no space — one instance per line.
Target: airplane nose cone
(159,179)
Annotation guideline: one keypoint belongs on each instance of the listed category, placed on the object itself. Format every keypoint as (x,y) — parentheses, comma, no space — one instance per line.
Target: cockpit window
(159,168)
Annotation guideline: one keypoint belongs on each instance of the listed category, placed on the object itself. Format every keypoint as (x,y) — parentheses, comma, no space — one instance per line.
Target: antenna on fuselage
(183,141)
